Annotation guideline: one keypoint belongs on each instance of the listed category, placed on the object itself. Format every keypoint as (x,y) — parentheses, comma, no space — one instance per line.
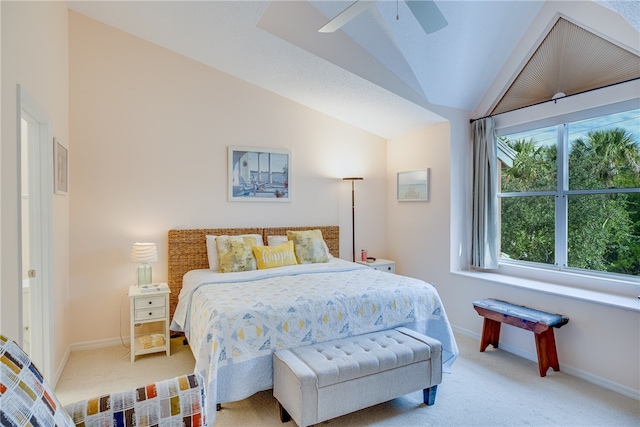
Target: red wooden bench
(541,323)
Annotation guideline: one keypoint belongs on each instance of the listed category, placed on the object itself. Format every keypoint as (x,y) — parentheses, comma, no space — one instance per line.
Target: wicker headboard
(188,249)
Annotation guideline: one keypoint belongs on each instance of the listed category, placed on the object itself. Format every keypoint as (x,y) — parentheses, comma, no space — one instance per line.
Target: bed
(235,321)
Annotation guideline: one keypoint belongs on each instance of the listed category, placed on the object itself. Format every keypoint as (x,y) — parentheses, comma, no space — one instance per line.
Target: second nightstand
(381,264)
(149,319)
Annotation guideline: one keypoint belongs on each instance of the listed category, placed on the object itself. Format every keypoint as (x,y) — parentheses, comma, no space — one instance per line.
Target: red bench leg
(490,334)
(547,353)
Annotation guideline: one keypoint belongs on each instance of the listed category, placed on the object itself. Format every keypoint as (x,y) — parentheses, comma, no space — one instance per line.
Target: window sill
(623,301)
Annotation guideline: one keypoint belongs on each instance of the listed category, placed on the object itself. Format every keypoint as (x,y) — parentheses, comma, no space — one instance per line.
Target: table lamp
(144,253)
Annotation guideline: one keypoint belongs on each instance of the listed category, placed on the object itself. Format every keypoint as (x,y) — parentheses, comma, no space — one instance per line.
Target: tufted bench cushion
(321,381)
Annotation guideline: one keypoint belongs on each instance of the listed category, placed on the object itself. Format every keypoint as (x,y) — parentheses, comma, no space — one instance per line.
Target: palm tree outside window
(569,196)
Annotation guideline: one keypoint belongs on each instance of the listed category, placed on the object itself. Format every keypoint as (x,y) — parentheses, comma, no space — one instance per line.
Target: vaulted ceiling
(380,72)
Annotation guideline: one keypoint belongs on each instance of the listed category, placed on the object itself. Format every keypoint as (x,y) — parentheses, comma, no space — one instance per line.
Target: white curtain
(484,241)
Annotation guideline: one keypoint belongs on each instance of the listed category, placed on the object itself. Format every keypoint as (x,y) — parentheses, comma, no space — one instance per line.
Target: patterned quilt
(235,321)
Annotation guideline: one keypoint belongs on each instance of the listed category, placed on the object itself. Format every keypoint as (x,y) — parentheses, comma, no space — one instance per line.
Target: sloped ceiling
(379,73)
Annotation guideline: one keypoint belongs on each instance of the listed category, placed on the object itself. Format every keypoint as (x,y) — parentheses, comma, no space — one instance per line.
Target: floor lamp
(353,215)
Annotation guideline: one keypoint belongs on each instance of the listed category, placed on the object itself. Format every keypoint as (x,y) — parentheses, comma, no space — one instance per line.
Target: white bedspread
(235,321)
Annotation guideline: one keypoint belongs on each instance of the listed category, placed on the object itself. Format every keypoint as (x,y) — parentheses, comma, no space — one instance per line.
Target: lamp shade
(144,252)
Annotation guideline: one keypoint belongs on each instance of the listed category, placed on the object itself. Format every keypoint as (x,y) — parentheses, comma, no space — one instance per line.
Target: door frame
(41,174)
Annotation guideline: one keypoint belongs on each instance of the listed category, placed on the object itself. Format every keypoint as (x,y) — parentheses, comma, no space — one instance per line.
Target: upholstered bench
(317,382)
(541,323)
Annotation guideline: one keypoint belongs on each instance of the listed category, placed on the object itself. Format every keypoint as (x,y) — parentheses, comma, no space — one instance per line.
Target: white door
(26,121)
(35,251)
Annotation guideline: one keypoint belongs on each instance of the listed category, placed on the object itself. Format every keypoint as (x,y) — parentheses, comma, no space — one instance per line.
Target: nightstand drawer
(150,313)
(150,302)
(380,265)
(391,268)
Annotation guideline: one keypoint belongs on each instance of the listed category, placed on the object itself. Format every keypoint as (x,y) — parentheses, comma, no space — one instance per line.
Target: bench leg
(490,334)
(284,415)
(547,353)
(429,395)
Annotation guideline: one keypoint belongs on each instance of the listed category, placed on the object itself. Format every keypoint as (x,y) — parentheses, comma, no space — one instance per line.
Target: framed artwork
(60,168)
(259,175)
(413,186)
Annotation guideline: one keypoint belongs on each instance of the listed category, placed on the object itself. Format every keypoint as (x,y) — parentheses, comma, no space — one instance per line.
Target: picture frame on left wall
(60,168)
(259,175)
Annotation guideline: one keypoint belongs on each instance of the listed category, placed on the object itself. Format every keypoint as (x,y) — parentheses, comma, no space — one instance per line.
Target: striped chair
(26,399)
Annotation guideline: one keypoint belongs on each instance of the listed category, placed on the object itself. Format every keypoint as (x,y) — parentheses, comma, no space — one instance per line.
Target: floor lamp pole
(353,216)
(353,222)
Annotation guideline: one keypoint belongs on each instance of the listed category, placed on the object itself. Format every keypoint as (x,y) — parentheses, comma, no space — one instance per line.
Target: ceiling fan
(425,11)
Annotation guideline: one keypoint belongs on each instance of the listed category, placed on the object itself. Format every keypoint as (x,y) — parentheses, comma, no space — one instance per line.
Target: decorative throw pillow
(309,246)
(178,401)
(235,253)
(278,240)
(212,249)
(275,256)
(25,397)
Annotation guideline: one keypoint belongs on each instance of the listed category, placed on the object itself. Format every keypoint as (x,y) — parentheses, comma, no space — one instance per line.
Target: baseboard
(602,382)
(466,332)
(58,373)
(569,370)
(90,345)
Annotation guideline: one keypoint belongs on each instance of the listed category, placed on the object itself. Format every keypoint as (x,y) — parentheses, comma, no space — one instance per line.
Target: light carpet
(494,388)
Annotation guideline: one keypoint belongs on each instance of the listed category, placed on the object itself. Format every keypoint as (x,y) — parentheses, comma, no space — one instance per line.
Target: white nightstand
(381,264)
(149,318)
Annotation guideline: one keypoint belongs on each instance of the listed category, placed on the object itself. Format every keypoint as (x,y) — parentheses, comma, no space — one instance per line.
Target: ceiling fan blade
(428,15)
(345,16)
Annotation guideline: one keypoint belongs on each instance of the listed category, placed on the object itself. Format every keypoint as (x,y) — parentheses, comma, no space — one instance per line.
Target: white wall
(151,130)
(600,343)
(425,224)
(148,131)
(34,55)
(1,136)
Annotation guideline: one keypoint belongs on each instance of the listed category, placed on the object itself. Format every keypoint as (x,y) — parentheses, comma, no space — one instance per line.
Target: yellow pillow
(275,256)
(235,254)
(309,246)
(212,249)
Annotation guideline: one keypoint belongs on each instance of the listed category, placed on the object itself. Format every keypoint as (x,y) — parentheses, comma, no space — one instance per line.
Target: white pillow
(276,240)
(212,249)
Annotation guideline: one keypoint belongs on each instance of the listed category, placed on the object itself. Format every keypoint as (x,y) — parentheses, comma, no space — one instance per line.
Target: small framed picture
(60,168)
(259,175)
(413,186)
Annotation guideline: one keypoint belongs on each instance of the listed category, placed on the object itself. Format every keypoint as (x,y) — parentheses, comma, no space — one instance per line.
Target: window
(569,195)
